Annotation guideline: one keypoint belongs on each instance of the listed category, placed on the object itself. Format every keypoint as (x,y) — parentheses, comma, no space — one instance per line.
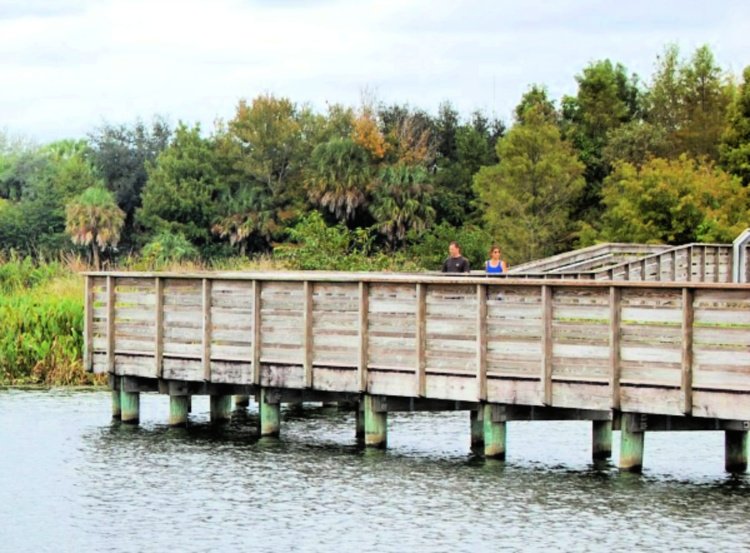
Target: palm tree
(93,219)
(401,202)
(340,178)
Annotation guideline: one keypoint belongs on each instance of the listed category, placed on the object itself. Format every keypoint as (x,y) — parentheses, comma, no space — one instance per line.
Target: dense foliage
(663,159)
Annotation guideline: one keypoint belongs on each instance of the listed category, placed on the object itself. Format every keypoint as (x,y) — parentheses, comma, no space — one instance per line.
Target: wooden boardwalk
(627,355)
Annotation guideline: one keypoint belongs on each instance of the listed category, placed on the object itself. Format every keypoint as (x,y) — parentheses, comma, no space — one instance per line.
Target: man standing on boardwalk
(456,263)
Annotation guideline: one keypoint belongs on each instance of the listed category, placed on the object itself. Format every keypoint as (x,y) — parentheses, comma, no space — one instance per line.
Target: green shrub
(316,246)
(166,248)
(429,249)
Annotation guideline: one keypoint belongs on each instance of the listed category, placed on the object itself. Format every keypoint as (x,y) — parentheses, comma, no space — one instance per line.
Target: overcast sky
(67,66)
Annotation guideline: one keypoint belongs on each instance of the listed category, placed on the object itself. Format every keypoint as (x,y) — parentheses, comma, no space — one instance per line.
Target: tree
(446,127)
(705,102)
(663,99)
(401,202)
(536,97)
(453,198)
(120,154)
(33,220)
(262,155)
(93,219)
(607,98)
(673,201)
(688,101)
(340,177)
(635,142)
(72,169)
(182,188)
(528,196)
(735,146)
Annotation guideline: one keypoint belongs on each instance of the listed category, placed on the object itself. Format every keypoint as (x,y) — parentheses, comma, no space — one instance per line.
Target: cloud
(69,65)
(17,9)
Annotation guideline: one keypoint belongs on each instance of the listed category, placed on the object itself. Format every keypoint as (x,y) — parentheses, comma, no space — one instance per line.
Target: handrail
(410,278)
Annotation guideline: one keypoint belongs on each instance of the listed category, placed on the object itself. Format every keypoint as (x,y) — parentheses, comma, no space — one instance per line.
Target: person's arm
(445,266)
(505,266)
(466,268)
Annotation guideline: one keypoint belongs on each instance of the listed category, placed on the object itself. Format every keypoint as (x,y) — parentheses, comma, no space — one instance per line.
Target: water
(72,481)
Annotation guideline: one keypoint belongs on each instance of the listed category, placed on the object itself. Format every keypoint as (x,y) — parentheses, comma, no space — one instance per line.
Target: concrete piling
(178,410)
(221,407)
(735,450)
(376,422)
(494,433)
(632,437)
(270,414)
(601,439)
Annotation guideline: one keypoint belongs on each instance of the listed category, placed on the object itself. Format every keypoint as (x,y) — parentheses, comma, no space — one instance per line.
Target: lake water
(70,480)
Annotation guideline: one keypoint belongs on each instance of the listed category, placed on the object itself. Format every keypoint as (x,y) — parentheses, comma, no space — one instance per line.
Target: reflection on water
(72,481)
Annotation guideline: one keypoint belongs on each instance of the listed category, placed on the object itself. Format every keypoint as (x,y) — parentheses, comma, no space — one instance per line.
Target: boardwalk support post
(270,413)
(114,382)
(494,431)
(116,409)
(376,422)
(735,450)
(221,407)
(130,403)
(632,436)
(477,431)
(178,410)
(359,414)
(601,439)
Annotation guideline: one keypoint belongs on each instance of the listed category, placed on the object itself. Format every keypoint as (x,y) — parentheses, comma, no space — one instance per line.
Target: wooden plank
(159,334)
(307,332)
(615,313)
(111,324)
(686,385)
(255,345)
(546,373)
(421,339)
(364,294)
(658,267)
(482,342)
(717,264)
(673,274)
(206,328)
(88,325)
(702,266)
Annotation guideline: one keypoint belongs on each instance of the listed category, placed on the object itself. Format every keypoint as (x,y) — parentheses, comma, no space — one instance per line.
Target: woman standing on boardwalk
(495,265)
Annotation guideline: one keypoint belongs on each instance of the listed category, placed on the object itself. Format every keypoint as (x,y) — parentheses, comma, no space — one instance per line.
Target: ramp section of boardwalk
(639,262)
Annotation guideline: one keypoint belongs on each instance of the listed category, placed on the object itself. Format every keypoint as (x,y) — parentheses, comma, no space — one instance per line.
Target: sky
(68,67)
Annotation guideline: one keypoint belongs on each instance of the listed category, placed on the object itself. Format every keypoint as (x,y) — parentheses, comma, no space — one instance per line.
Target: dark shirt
(456,265)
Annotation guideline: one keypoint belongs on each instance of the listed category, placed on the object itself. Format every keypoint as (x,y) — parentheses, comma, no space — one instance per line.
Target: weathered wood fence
(673,351)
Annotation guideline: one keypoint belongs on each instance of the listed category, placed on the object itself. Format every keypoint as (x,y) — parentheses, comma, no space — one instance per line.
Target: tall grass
(41,317)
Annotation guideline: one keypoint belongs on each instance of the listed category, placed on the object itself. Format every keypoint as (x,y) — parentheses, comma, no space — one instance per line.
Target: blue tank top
(493,270)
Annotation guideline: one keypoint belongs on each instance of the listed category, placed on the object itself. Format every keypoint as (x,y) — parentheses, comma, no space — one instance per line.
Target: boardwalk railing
(697,262)
(660,348)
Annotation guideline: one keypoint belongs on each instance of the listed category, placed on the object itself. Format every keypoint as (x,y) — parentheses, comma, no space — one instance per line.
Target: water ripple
(70,480)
